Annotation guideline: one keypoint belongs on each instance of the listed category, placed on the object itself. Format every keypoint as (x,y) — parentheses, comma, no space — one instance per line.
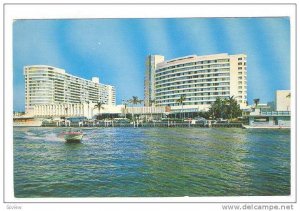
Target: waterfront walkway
(152,124)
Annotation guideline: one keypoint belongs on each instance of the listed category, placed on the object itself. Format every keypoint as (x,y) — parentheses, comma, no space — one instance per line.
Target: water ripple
(156,162)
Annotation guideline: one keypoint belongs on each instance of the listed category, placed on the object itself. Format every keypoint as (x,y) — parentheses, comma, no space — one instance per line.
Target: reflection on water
(152,162)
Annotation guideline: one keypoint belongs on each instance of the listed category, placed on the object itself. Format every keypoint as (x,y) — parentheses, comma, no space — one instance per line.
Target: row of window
(180,81)
(195,89)
(209,67)
(190,102)
(60,77)
(201,81)
(206,102)
(170,91)
(195,63)
(180,76)
(202,74)
(40,83)
(192,86)
(177,95)
(190,97)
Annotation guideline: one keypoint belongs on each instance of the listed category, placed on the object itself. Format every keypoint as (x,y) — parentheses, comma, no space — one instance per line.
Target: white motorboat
(73,136)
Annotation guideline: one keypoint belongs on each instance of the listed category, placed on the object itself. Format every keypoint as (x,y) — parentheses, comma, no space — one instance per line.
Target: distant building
(270,119)
(201,79)
(283,100)
(46,85)
(265,116)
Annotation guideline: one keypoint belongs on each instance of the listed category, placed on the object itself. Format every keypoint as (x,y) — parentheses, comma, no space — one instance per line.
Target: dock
(148,124)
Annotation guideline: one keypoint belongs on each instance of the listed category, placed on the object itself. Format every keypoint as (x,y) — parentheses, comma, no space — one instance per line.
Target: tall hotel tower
(149,88)
(201,79)
(46,85)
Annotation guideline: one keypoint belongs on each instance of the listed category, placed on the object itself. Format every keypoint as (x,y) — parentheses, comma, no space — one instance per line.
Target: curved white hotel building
(201,79)
(46,85)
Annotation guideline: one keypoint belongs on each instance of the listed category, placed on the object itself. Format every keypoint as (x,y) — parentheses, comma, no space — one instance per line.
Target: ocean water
(152,162)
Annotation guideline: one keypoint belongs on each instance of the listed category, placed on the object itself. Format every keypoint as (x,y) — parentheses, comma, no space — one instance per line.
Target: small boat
(72,136)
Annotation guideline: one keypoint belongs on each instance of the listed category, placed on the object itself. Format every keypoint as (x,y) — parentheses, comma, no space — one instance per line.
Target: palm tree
(125,107)
(72,109)
(180,101)
(134,101)
(225,108)
(88,105)
(256,102)
(99,106)
(288,96)
(66,110)
(152,101)
(216,109)
(232,108)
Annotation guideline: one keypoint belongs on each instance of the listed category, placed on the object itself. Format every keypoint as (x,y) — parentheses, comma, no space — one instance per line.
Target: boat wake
(43,137)
(53,137)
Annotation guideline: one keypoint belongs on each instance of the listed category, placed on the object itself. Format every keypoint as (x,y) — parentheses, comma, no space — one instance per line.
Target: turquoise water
(152,162)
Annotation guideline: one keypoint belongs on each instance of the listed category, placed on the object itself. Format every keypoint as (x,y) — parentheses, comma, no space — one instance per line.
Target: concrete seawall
(157,124)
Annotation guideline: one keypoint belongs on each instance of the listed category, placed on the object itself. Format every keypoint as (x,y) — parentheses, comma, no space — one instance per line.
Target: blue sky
(115,49)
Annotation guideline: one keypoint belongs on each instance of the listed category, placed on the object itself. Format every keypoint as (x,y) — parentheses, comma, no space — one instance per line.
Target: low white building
(262,115)
(91,110)
(88,110)
(144,110)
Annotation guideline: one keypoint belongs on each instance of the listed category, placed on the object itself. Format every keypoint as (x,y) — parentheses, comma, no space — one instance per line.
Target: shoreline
(222,125)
